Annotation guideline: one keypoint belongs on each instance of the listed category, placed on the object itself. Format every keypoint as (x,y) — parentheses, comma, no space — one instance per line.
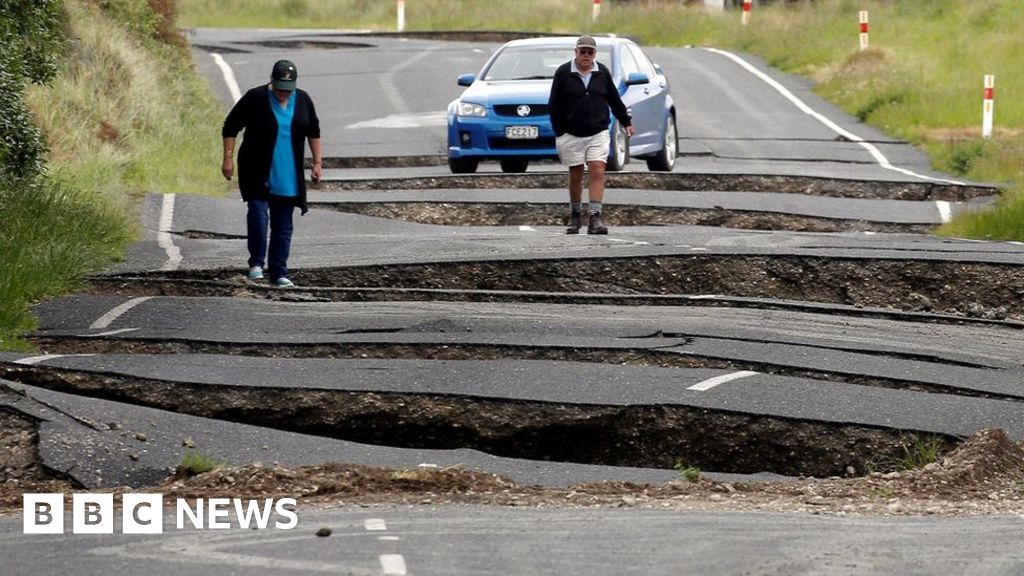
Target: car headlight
(470,109)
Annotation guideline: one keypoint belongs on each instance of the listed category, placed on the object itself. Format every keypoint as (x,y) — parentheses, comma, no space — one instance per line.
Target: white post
(863,30)
(988,108)
(747,4)
(401,15)
(597,10)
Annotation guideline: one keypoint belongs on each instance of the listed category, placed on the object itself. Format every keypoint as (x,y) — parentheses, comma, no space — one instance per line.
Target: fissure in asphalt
(637,436)
(523,214)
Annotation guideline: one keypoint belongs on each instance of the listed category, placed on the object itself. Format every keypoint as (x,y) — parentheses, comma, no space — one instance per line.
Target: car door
(643,102)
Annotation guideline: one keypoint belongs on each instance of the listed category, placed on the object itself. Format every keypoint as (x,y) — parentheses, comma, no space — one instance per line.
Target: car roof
(563,41)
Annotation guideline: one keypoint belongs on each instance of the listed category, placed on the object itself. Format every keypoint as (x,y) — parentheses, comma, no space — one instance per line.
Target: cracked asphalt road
(890,366)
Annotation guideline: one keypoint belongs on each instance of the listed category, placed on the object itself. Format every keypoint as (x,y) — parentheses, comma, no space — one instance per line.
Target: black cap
(284,75)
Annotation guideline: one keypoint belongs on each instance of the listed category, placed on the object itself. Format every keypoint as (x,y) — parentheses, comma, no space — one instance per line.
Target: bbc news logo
(144,513)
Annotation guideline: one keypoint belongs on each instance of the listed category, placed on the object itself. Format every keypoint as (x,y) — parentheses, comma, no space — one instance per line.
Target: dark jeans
(279,213)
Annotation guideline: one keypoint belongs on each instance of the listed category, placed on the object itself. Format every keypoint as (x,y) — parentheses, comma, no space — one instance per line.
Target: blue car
(503,113)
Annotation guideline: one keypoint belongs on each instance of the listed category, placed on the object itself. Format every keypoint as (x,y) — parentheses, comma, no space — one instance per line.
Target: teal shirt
(283,179)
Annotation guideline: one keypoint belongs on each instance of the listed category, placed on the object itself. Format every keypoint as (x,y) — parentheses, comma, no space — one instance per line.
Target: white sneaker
(283,282)
(255,273)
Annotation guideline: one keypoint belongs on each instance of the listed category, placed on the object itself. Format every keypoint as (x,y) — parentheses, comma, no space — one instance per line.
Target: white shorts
(574,150)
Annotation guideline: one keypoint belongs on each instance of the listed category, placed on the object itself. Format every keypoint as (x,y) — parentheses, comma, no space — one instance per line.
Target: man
(581,94)
(278,119)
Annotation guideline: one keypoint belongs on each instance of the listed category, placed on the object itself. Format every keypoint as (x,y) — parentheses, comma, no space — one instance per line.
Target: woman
(277,119)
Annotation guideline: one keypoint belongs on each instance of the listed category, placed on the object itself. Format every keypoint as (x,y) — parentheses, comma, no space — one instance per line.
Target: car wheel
(619,156)
(514,164)
(665,159)
(463,165)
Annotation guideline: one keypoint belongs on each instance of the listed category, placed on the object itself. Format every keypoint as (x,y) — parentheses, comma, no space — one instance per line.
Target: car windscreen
(527,63)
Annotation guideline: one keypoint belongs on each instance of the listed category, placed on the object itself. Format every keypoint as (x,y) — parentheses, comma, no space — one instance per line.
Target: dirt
(985,475)
(519,214)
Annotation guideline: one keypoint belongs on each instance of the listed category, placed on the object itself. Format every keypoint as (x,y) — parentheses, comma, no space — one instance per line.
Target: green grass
(921,80)
(688,473)
(193,463)
(53,233)
(124,116)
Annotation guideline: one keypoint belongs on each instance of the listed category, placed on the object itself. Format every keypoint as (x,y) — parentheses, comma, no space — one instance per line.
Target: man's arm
(555,103)
(618,107)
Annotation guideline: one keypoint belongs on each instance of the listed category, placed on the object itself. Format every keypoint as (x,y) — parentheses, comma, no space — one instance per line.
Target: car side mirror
(466,79)
(635,78)
(659,70)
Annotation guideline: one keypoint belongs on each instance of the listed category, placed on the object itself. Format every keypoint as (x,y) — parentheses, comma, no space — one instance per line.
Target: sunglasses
(586,51)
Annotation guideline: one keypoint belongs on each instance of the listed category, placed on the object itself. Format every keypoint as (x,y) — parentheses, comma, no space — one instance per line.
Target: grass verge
(124,116)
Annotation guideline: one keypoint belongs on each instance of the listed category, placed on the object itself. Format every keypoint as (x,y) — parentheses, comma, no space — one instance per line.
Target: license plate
(521,132)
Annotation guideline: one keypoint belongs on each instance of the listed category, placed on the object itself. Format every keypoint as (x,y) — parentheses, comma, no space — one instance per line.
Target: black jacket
(584,111)
(254,114)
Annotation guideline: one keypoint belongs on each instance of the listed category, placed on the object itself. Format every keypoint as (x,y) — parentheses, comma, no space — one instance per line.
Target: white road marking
(875,152)
(945,210)
(163,236)
(32,361)
(389,538)
(387,81)
(712,382)
(417,120)
(229,77)
(107,319)
(375,524)
(526,229)
(113,332)
(392,564)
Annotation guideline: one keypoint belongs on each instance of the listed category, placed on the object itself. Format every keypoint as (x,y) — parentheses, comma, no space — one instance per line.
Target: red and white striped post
(747,5)
(863,30)
(597,10)
(988,107)
(401,15)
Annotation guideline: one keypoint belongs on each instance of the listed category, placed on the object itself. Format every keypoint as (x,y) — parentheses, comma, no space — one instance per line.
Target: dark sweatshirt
(583,111)
(254,114)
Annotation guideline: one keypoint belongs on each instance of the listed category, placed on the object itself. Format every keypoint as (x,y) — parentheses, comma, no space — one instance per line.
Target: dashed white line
(392,564)
(712,382)
(107,319)
(32,361)
(113,332)
(375,524)
(389,538)
(164,234)
(875,152)
(526,229)
(229,77)
(945,210)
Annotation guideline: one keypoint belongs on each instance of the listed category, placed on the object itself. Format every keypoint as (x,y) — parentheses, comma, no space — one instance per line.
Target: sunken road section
(832,187)
(638,435)
(970,289)
(524,213)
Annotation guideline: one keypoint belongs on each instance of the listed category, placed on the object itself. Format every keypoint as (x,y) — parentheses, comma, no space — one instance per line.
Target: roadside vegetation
(921,80)
(100,106)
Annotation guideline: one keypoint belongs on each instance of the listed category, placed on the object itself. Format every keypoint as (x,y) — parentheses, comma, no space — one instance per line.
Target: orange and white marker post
(863,30)
(597,10)
(401,16)
(747,5)
(988,107)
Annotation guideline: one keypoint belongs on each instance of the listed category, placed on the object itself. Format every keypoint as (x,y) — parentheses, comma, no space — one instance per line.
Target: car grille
(511,110)
(506,144)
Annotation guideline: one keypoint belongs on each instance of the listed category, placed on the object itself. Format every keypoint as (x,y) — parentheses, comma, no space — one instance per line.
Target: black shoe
(595,226)
(574,224)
